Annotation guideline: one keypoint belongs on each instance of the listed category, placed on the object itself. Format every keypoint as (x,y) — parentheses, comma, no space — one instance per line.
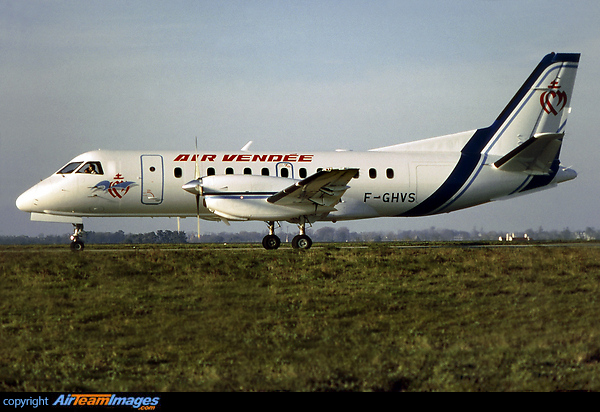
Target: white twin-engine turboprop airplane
(517,154)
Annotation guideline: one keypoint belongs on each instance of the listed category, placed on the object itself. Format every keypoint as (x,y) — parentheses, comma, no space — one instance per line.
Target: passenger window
(372,173)
(210,171)
(302,173)
(69,168)
(229,171)
(265,171)
(177,172)
(284,173)
(389,173)
(92,168)
(247,171)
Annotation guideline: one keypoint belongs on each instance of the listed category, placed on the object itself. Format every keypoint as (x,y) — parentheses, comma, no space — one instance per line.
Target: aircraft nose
(27,201)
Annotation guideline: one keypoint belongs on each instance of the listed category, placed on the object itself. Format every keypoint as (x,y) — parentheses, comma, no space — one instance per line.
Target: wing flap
(324,188)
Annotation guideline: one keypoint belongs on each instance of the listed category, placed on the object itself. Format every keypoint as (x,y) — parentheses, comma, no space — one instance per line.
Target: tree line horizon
(326,234)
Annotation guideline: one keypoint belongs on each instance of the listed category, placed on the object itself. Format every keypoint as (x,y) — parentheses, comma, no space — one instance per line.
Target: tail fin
(527,135)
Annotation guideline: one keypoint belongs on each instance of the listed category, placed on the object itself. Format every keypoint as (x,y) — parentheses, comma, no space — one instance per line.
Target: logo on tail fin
(553,101)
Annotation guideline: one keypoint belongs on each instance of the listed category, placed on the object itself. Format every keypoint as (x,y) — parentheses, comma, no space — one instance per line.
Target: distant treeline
(160,236)
(343,234)
(324,234)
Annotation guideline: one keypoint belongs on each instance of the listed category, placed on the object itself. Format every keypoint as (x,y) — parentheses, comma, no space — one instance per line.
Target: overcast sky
(289,75)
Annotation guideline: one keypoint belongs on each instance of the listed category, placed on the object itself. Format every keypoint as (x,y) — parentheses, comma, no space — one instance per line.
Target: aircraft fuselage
(150,183)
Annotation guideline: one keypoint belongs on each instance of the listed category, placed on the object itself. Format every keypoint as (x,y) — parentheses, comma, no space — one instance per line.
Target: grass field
(375,318)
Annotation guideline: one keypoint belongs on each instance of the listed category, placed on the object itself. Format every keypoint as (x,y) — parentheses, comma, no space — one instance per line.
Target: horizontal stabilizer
(534,156)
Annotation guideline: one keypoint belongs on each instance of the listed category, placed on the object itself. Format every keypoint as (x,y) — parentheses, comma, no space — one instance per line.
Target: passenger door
(152,179)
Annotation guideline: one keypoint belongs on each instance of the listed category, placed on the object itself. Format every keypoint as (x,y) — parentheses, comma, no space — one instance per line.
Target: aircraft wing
(324,188)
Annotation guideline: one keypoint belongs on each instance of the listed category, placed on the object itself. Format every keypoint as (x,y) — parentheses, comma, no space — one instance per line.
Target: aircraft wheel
(271,242)
(77,246)
(301,242)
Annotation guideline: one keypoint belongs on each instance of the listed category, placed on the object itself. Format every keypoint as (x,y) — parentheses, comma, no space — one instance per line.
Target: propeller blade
(199,189)
(197,173)
(198,213)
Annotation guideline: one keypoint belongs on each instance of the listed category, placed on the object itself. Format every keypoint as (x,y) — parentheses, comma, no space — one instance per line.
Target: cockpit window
(69,168)
(92,168)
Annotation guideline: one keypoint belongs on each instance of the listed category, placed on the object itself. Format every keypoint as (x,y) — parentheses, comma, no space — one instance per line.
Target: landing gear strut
(271,241)
(302,241)
(76,241)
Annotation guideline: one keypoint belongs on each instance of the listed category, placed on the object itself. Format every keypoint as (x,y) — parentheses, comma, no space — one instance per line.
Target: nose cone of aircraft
(27,201)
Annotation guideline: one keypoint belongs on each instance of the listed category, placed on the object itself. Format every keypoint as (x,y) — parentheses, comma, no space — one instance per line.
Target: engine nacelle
(254,207)
(244,197)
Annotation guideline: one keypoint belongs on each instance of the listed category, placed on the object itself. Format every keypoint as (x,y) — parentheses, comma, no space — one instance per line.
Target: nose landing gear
(76,238)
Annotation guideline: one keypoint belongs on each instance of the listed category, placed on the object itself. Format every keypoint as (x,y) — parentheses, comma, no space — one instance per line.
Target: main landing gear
(76,238)
(271,241)
(301,241)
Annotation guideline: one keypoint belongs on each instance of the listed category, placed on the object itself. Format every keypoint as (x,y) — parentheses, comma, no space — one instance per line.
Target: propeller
(199,191)
(195,187)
